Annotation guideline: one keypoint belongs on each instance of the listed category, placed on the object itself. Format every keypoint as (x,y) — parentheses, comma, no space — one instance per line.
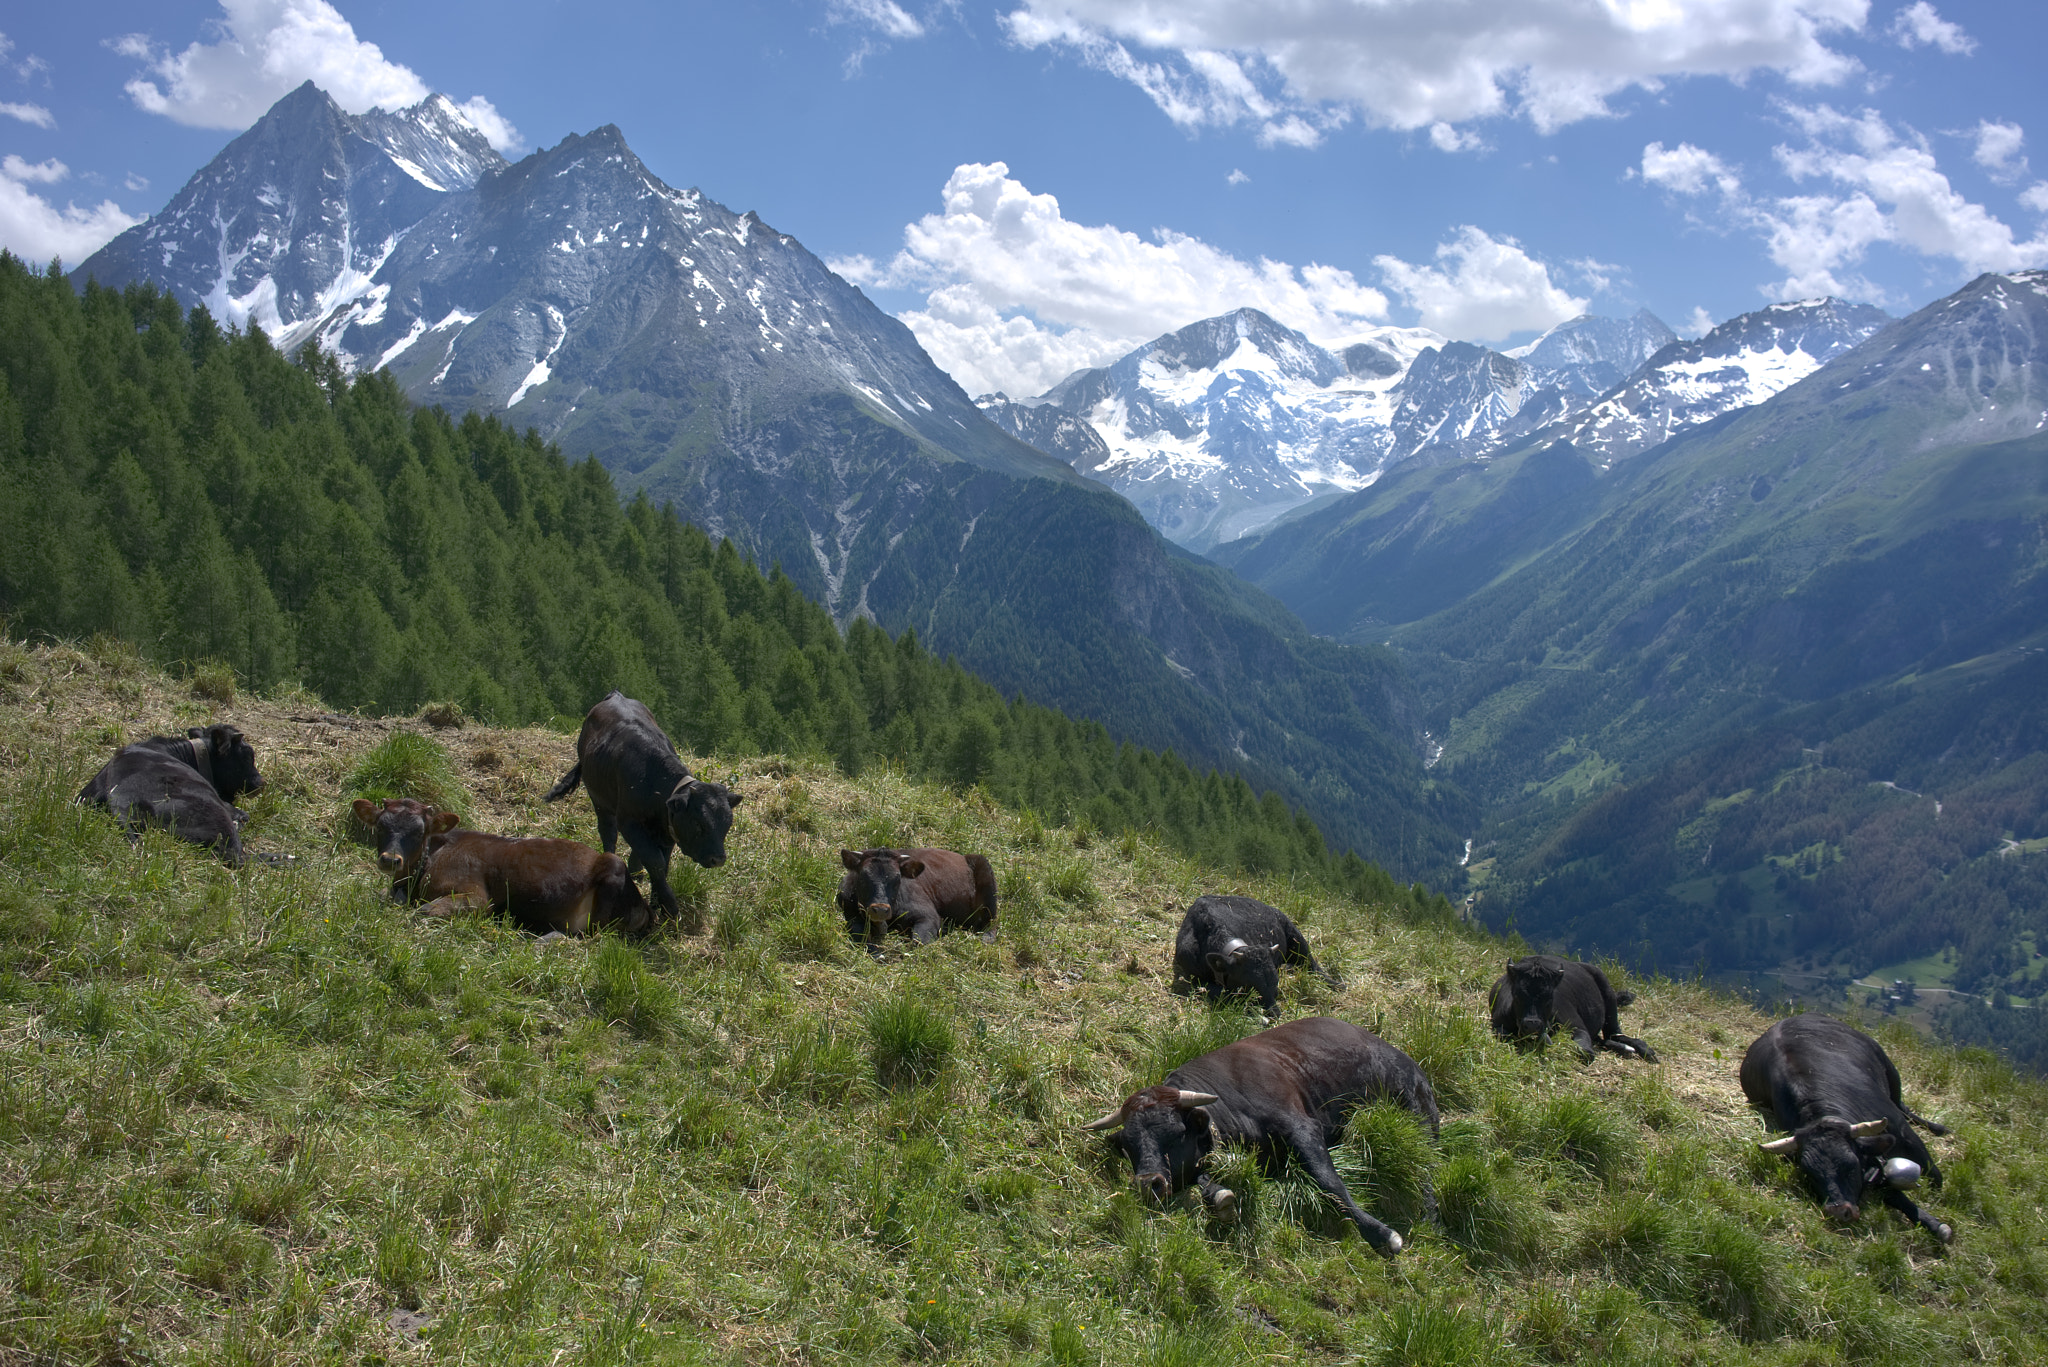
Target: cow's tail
(1933,1127)
(567,785)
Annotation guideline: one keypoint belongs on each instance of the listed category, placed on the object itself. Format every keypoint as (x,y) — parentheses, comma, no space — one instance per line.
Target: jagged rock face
(1227,424)
(1738,365)
(1052,430)
(1589,355)
(296,216)
(1456,401)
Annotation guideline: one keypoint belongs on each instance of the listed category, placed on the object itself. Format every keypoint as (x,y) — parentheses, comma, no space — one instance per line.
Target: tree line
(191,489)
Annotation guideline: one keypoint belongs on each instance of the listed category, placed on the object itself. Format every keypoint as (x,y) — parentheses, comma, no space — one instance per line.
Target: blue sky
(1038,184)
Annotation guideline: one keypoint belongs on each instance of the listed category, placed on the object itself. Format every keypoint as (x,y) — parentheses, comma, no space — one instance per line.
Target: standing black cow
(1540,992)
(641,789)
(1837,1091)
(1284,1089)
(1236,944)
(186,784)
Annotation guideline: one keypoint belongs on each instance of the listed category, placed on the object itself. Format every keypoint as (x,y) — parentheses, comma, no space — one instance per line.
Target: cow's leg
(651,850)
(1221,1200)
(1903,1204)
(1311,1153)
(924,926)
(608,836)
(1631,1044)
(444,908)
(1582,1040)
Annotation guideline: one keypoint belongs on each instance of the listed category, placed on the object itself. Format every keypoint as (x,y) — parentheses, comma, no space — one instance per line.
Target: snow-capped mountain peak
(1740,363)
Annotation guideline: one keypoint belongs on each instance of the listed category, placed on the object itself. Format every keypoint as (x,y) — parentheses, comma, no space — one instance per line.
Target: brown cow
(917,892)
(550,887)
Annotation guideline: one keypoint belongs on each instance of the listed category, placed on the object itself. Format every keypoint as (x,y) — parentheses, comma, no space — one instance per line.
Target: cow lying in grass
(1237,944)
(550,887)
(916,893)
(185,784)
(1542,992)
(1837,1091)
(1283,1090)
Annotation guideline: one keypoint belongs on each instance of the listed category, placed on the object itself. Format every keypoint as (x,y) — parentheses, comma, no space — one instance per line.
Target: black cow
(1837,1091)
(186,784)
(1284,1089)
(1236,944)
(1541,992)
(916,893)
(640,788)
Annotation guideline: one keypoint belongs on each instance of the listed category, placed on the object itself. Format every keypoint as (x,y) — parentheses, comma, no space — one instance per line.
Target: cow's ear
(735,799)
(850,858)
(1217,963)
(1878,1145)
(911,868)
(440,823)
(366,811)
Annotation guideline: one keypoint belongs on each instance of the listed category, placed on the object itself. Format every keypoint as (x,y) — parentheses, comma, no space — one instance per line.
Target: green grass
(248,1116)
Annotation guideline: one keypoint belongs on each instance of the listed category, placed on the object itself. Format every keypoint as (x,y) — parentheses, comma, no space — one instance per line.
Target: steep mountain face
(1746,630)
(1589,355)
(294,219)
(712,361)
(1739,364)
(1234,423)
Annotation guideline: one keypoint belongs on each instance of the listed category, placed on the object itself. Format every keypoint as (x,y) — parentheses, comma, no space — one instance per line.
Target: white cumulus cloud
(269,47)
(1481,288)
(1687,169)
(1918,25)
(28,113)
(1018,296)
(1998,149)
(1412,64)
(36,230)
(1699,324)
(1861,183)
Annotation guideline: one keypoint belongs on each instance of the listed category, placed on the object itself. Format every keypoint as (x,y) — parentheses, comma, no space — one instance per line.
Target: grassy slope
(246,1117)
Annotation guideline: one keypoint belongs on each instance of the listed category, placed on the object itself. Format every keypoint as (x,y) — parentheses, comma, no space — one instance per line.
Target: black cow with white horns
(1237,944)
(1837,1091)
(640,788)
(1283,1090)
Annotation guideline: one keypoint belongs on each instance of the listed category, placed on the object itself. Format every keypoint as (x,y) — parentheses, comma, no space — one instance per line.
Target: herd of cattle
(1284,1090)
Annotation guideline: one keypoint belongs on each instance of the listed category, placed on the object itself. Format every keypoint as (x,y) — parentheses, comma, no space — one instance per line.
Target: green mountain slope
(1859,557)
(266,1116)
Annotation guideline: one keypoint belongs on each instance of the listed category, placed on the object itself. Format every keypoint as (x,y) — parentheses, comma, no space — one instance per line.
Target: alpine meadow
(896,683)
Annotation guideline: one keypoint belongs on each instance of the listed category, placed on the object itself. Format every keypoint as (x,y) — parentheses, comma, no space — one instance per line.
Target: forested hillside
(197,493)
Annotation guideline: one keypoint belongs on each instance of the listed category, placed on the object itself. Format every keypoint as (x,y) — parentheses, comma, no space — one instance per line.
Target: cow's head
(1533,985)
(699,815)
(1840,1160)
(1241,966)
(230,759)
(401,827)
(1165,1133)
(874,880)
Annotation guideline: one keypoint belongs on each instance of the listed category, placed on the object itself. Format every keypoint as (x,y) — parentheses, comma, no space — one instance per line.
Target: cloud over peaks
(1412,64)
(35,230)
(269,47)
(1482,289)
(1017,296)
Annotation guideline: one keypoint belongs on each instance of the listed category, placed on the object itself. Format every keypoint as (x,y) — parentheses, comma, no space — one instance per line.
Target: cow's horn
(1786,1145)
(1867,1127)
(1109,1121)
(1192,1099)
